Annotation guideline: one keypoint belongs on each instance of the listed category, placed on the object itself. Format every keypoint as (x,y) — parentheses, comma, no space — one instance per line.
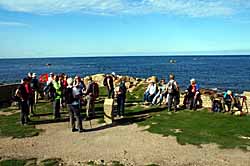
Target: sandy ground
(128,144)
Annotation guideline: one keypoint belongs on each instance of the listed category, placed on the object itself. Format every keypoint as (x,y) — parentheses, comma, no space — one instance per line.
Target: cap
(192,80)
(34,75)
(70,81)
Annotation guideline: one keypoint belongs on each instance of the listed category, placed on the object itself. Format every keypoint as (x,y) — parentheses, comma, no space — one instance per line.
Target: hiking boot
(74,130)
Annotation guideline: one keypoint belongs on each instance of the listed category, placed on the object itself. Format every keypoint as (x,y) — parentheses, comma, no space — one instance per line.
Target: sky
(56,28)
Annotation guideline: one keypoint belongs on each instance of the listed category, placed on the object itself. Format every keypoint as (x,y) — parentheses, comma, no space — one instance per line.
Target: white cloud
(193,8)
(13,24)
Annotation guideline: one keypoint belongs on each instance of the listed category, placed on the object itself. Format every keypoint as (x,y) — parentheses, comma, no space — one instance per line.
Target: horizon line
(127,55)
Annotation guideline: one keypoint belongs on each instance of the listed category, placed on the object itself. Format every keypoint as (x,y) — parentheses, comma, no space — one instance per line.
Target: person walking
(72,99)
(173,92)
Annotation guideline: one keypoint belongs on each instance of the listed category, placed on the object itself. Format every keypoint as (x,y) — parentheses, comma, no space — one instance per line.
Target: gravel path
(128,144)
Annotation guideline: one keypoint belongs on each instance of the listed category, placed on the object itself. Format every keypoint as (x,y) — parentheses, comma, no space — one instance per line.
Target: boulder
(98,78)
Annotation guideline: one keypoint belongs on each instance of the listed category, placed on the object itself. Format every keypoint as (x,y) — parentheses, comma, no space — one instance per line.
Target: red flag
(43,78)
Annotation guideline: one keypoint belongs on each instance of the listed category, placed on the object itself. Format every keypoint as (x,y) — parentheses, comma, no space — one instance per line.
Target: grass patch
(202,127)
(10,127)
(102,91)
(50,162)
(13,162)
(137,94)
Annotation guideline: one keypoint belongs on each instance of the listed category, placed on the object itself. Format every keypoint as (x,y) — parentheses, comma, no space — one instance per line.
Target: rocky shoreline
(131,83)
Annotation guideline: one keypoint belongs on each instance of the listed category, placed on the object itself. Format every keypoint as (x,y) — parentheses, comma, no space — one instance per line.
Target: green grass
(10,127)
(50,162)
(201,127)
(13,162)
(30,162)
(137,94)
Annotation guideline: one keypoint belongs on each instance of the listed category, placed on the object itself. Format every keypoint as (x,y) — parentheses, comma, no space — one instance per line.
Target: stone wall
(6,93)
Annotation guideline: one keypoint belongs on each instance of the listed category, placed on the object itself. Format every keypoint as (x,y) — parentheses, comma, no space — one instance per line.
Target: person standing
(173,92)
(72,99)
(92,93)
(108,82)
(57,97)
(23,95)
(121,97)
(35,87)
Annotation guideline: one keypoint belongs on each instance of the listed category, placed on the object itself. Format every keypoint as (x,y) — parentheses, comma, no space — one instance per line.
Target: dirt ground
(129,144)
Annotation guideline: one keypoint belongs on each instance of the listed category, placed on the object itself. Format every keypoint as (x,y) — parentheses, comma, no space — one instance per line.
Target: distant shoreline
(125,56)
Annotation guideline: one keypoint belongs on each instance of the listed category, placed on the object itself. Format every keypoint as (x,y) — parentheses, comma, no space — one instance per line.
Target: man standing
(109,84)
(35,87)
(92,93)
(173,92)
(23,95)
(121,96)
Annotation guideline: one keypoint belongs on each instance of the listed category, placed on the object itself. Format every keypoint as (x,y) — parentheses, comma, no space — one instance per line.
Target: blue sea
(222,72)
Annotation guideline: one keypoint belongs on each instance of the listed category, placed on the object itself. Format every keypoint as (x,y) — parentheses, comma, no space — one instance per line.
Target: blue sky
(50,28)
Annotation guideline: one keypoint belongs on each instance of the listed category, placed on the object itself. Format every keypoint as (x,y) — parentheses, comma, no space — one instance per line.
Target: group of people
(170,93)
(65,91)
(227,102)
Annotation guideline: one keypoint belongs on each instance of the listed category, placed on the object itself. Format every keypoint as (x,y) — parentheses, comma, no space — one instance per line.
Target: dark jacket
(23,94)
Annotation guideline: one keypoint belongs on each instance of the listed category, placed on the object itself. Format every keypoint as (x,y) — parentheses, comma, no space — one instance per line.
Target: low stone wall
(6,93)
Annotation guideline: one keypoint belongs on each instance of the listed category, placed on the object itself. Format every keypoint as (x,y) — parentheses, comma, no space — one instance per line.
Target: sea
(211,72)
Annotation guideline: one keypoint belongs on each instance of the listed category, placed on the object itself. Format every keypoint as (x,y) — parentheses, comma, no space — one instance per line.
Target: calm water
(231,72)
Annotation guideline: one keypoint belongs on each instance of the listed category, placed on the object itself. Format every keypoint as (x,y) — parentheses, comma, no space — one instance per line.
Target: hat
(70,81)
(51,73)
(229,92)
(113,73)
(34,75)
(151,81)
(193,80)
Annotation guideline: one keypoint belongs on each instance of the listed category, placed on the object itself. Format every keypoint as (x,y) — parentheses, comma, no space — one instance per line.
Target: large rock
(98,78)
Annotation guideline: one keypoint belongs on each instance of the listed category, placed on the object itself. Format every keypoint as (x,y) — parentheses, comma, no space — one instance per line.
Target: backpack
(105,83)
(171,87)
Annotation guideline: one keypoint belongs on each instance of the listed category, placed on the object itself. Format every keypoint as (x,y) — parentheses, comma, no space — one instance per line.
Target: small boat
(172,61)
(48,64)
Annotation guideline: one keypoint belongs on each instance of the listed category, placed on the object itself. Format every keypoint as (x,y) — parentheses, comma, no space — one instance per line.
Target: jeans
(75,116)
(31,105)
(56,108)
(172,99)
(120,105)
(110,92)
(90,108)
(158,95)
(148,97)
(24,112)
